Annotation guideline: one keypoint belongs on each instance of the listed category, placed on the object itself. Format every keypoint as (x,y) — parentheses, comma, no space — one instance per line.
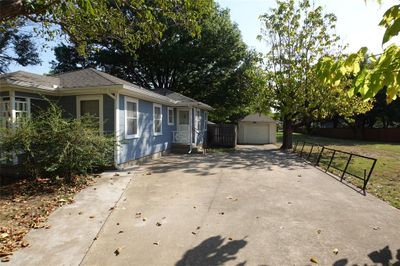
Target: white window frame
(154,119)
(132,100)
(173,116)
(90,98)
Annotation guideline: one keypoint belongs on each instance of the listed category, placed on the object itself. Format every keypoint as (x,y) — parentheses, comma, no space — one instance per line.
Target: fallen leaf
(129,173)
(116,174)
(156,243)
(94,188)
(230,239)
(289,202)
(112,208)
(117,223)
(335,251)
(120,232)
(5,254)
(144,219)
(148,173)
(158,224)
(95,238)
(299,175)
(91,216)
(314,260)
(47,226)
(6,259)
(222,213)
(138,214)
(376,228)
(164,218)
(24,244)
(229,197)
(193,233)
(198,228)
(80,213)
(194,207)
(319,231)
(117,251)
(4,235)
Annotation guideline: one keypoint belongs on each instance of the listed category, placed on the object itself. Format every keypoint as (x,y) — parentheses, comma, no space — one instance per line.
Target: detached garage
(257,129)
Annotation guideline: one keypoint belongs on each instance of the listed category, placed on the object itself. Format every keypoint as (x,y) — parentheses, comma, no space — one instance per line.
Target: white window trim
(154,118)
(132,100)
(173,117)
(88,98)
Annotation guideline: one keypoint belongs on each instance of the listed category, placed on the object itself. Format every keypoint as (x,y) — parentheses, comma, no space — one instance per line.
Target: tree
(298,35)
(215,67)
(16,46)
(385,72)
(131,22)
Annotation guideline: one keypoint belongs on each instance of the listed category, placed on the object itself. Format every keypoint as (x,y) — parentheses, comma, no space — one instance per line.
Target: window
(170,116)
(91,105)
(131,118)
(21,109)
(5,112)
(157,119)
(198,119)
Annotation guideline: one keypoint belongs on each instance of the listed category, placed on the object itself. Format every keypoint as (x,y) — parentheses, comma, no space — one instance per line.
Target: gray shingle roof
(89,78)
(86,78)
(26,79)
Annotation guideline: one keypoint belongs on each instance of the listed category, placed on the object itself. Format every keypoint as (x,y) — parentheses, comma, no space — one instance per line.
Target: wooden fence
(369,134)
(222,135)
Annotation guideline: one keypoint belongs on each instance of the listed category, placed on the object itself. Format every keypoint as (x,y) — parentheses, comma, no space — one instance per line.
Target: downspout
(116,129)
(190,129)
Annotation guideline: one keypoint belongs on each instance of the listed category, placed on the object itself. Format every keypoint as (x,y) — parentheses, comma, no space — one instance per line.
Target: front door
(183,126)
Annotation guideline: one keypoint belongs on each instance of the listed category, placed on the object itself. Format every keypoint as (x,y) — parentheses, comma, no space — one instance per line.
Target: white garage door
(256,133)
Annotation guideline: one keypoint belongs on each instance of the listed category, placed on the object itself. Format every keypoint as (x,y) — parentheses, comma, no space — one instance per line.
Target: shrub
(49,145)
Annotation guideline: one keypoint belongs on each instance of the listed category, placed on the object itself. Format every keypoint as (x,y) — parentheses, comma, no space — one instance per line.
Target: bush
(49,145)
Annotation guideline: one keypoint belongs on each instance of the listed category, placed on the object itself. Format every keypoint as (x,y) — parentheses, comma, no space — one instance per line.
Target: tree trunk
(287,140)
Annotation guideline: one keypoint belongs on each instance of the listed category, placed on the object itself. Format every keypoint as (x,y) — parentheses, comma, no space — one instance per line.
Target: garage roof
(258,118)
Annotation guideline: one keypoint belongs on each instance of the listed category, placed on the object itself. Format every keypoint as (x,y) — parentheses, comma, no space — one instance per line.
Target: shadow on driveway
(246,157)
(213,251)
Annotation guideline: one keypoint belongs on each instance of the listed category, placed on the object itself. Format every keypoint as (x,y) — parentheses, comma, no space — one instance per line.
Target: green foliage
(131,22)
(297,36)
(52,146)
(385,69)
(380,72)
(16,46)
(215,67)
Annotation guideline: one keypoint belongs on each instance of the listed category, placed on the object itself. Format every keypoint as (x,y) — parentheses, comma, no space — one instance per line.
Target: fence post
(295,146)
(329,165)
(345,169)
(319,156)
(369,175)
(309,154)
(301,152)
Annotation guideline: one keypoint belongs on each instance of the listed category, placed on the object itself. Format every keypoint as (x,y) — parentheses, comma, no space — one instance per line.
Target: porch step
(184,149)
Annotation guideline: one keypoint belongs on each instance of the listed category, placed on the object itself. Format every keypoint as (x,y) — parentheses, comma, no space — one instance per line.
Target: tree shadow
(382,257)
(247,158)
(213,252)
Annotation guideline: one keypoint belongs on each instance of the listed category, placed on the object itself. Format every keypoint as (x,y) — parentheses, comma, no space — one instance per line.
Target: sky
(357,25)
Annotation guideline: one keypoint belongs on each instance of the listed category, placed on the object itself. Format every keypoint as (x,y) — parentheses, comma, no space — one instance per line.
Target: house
(256,129)
(145,122)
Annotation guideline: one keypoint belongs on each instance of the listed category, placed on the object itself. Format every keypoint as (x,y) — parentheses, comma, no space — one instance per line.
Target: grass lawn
(385,179)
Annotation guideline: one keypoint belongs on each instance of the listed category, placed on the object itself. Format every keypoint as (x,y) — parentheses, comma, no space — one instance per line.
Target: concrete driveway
(256,206)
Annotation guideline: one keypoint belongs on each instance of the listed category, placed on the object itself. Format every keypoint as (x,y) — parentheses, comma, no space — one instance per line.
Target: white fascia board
(148,95)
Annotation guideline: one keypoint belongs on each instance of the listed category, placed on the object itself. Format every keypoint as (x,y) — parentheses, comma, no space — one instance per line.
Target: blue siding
(146,144)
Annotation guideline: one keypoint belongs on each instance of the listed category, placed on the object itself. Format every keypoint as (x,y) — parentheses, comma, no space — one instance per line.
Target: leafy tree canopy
(215,67)
(17,46)
(131,22)
(297,36)
(368,81)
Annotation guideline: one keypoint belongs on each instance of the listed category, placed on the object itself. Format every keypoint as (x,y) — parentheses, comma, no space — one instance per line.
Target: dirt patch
(26,205)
